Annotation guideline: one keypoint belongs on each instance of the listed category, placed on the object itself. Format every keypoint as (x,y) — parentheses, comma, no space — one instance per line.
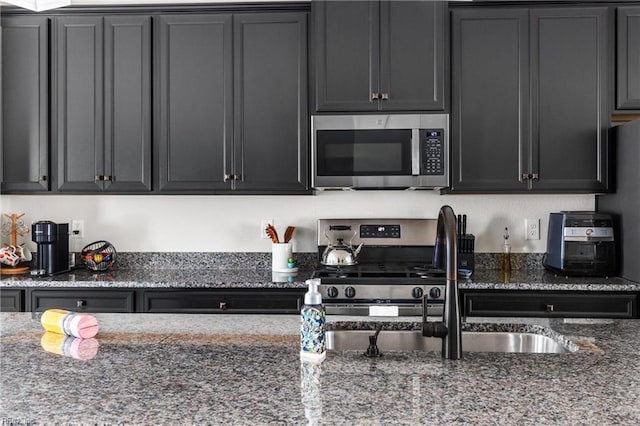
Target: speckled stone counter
(541,279)
(245,369)
(526,279)
(164,278)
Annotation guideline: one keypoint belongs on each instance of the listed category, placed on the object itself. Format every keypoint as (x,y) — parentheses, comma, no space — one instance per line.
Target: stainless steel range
(393,269)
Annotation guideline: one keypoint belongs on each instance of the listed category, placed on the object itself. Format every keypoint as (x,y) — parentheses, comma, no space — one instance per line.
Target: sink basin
(472,341)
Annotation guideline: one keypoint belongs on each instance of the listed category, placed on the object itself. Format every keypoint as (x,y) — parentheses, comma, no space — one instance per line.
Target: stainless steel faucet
(446,257)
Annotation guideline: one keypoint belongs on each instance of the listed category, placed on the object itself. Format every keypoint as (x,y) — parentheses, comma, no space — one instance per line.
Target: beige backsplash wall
(232,223)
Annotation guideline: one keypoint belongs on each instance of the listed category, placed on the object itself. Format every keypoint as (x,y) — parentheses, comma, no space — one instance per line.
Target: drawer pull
(549,308)
(223,306)
(81,303)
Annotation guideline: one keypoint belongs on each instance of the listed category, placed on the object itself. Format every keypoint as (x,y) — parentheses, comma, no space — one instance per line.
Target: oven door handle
(339,227)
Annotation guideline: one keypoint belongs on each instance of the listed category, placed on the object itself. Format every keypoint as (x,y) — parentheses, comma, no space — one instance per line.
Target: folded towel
(75,324)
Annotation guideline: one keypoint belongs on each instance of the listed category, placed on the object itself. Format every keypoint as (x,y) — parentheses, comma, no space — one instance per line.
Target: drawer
(82,300)
(280,301)
(11,300)
(550,304)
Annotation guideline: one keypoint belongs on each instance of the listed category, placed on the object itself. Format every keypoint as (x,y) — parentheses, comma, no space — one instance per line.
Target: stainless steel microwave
(393,151)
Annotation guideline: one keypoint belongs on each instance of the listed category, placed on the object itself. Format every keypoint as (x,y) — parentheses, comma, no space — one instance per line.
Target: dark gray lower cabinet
(274,301)
(82,300)
(102,69)
(628,60)
(11,300)
(518,303)
(24,156)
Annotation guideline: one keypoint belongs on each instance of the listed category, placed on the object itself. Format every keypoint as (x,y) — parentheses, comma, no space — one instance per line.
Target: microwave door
(367,157)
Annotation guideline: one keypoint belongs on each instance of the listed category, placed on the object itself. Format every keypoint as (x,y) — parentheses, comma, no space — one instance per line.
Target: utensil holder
(280,254)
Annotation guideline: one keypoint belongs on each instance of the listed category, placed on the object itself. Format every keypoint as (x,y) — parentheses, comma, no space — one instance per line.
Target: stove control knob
(435,293)
(417,292)
(332,292)
(350,292)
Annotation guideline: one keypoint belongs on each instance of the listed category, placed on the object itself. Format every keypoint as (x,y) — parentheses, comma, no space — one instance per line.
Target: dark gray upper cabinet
(379,55)
(530,110)
(569,97)
(628,66)
(232,111)
(490,119)
(270,94)
(102,74)
(194,129)
(25,104)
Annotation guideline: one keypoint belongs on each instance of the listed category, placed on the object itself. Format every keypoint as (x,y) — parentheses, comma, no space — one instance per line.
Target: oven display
(379,231)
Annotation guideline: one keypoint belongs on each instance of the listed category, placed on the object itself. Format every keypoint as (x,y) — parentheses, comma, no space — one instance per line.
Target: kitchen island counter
(245,369)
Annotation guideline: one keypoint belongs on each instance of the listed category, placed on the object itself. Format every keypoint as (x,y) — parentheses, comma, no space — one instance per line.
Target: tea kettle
(340,253)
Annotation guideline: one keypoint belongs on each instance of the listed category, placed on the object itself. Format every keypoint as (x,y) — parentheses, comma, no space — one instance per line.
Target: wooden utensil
(272,233)
(289,233)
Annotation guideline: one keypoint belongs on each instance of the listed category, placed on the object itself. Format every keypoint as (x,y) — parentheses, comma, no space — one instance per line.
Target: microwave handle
(415,152)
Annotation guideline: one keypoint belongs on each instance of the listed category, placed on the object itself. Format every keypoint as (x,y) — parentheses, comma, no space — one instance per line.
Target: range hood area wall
(232,223)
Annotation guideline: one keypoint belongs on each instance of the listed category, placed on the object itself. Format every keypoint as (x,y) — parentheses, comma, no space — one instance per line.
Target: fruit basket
(99,255)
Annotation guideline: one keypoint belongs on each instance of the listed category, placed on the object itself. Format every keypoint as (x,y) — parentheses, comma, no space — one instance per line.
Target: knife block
(466,251)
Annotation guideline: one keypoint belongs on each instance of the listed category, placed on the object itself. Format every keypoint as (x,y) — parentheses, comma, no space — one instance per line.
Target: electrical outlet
(77,228)
(263,226)
(532,229)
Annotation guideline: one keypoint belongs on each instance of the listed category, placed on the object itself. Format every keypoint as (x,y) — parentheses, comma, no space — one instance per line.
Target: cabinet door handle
(223,306)
(108,178)
(385,96)
(42,178)
(549,308)
(81,303)
(525,176)
(227,177)
(99,178)
(237,177)
(375,96)
(534,176)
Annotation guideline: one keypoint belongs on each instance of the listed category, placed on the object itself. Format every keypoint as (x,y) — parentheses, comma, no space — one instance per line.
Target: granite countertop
(523,279)
(245,369)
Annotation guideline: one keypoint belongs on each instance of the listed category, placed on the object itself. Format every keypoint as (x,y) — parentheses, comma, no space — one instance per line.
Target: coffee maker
(581,244)
(53,247)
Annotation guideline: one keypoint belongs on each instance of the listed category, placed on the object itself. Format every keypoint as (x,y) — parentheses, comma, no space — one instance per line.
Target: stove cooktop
(382,271)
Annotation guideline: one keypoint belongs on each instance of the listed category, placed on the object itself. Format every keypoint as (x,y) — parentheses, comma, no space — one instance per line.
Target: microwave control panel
(432,152)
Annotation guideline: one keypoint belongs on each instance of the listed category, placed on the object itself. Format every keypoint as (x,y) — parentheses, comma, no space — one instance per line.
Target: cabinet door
(570,107)
(347,53)
(490,99)
(550,304)
(194,125)
(25,104)
(82,300)
(412,46)
(280,301)
(270,93)
(127,92)
(11,300)
(628,77)
(79,106)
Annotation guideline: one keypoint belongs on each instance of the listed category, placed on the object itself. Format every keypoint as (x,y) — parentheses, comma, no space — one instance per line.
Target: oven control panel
(379,231)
